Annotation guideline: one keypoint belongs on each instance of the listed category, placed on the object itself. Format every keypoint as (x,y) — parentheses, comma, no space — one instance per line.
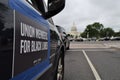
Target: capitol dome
(74,31)
(73,28)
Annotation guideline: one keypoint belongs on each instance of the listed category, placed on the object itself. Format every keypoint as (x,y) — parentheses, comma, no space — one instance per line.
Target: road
(92,61)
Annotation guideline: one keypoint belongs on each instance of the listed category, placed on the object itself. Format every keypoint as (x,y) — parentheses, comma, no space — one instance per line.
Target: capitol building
(74,32)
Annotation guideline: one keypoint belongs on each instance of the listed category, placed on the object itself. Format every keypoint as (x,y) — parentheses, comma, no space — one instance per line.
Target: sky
(85,12)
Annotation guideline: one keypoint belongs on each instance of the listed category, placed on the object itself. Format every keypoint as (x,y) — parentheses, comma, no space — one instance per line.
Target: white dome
(74,28)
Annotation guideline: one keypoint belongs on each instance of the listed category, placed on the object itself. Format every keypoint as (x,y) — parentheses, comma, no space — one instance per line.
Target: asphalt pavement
(93,61)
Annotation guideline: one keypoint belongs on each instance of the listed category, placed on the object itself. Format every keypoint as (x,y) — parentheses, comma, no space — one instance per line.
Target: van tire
(59,75)
(68,47)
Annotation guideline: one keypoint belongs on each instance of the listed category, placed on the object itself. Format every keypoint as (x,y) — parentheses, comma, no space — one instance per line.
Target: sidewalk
(106,44)
(113,45)
(88,46)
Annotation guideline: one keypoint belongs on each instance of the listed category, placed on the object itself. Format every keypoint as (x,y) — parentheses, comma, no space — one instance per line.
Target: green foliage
(97,30)
(93,30)
(84,34)
(117,34)
(107,32)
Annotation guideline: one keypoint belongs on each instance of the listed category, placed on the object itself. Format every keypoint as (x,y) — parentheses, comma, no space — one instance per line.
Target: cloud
(84,12)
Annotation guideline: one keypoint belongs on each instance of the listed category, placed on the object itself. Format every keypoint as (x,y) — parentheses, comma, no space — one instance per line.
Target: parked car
(30,44)
(93,39)
(115,39)
(64,36)
(104,39)
(79,39)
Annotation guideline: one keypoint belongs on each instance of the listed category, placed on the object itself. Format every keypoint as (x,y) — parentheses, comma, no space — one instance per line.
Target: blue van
(30,45)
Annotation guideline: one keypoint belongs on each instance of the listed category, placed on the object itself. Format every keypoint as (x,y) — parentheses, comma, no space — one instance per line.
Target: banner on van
(31,43)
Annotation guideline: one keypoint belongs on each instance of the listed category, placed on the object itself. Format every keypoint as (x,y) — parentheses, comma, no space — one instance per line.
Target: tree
(107,32)
(93,30)
(84,35)
(97,30)
(117,34)
(98,26)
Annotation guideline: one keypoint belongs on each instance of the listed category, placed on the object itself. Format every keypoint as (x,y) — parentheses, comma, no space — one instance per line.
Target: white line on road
(94,50)
(91,66)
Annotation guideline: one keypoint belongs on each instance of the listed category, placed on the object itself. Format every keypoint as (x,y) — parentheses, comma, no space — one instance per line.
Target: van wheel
(68,48)
(60,69)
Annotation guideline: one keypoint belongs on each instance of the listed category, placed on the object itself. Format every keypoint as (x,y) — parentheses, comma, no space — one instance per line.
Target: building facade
(74,32)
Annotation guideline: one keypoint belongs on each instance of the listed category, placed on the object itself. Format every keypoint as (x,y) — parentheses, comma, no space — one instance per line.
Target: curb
(112,46)
(115,47)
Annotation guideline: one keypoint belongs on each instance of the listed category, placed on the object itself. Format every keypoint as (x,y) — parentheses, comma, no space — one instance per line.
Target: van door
(31,41)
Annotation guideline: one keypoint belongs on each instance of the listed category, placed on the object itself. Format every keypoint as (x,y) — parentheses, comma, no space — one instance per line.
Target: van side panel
(31,44)
(31,49)
(24,42)
(6,40)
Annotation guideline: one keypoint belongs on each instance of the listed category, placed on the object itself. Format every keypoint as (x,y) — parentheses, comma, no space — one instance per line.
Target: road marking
(93,50)
(91,66)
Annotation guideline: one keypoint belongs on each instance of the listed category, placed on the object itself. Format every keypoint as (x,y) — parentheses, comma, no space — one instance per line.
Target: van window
(6,40)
